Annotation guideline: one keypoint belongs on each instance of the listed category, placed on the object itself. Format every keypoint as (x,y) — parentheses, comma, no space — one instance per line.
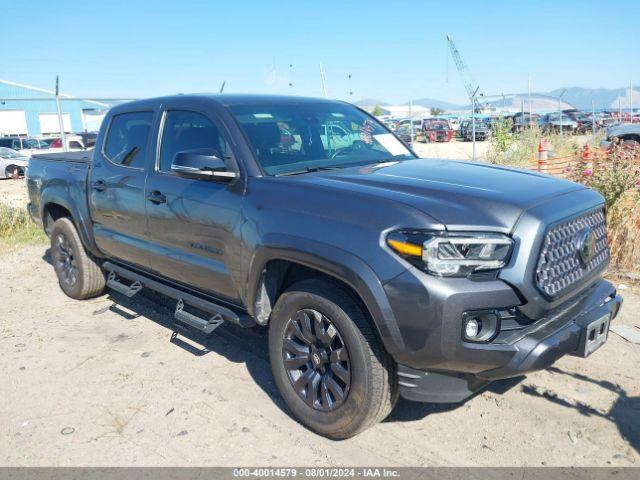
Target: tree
(436,111)
(377,111)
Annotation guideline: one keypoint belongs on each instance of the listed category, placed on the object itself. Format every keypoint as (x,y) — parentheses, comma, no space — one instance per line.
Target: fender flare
(58,196)
(334,262)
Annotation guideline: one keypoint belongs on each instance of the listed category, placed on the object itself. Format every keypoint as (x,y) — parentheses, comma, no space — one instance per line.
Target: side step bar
(218,313)
(126,290)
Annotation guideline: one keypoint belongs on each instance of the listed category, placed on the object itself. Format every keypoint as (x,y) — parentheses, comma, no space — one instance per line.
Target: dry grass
(518,151)
(624,232)
(17,229)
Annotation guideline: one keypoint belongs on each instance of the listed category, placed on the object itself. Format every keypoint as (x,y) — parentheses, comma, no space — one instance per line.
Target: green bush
(515,149)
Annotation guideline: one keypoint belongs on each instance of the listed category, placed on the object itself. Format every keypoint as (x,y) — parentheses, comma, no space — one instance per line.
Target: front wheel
(79,275)
(327,361)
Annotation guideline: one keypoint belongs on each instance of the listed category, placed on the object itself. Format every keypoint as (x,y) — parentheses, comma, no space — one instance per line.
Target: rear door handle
(99,185)
(156,197)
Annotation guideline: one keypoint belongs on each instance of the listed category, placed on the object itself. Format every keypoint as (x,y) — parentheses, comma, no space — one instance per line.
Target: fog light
(472,328)
(479,325)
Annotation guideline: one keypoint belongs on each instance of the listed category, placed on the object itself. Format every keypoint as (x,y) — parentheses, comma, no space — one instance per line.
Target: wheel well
(278,275)
(632,137)
(51,213)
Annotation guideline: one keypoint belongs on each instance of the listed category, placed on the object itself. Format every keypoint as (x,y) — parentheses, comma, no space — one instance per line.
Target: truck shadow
(624,413)
(408,411)
(236,344)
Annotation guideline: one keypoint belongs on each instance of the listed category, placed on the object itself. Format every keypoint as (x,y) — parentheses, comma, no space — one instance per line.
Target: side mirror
(201,163)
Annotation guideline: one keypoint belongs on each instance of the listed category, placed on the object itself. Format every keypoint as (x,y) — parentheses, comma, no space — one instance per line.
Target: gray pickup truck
(378,274)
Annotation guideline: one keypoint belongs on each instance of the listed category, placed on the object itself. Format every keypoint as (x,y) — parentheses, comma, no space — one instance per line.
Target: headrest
(263,135)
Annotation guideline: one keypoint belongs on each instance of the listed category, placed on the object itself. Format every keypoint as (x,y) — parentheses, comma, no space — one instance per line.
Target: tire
(372,389)
(79,276)
(8,172)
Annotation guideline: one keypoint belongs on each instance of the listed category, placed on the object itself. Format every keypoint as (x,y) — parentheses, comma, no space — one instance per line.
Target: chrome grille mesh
(560,264)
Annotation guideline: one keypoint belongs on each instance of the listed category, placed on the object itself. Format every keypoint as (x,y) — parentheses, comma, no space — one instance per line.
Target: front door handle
(156,197)
(99,185)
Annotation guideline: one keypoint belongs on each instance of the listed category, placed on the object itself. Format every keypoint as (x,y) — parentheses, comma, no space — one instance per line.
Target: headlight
(447,254)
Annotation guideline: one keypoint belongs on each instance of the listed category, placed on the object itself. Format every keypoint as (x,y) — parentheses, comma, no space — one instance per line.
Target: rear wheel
(79,275)
(10,171)
(327,361)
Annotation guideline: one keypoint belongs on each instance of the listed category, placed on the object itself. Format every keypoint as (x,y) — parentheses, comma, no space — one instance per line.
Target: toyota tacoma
(377,274)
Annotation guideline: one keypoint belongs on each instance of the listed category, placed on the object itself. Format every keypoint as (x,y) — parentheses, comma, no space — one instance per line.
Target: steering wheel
(356,146)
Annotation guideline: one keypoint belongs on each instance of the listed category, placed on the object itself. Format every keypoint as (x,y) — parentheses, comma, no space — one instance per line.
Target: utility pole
(63,138)
(530,118)
(631,101)
(324,83)
(619,110)
(560,108)
(411,120)
(593,117)
(473,121)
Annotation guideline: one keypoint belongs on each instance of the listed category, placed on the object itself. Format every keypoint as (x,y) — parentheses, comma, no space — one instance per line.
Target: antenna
(224,82)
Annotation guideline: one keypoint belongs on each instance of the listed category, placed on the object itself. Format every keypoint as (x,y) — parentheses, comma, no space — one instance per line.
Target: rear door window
(128,138)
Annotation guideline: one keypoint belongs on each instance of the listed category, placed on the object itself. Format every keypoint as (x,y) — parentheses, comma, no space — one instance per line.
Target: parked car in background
(391,123)
(520,121)
(404,133)
(455,124)
(625,132)
(74,142)
(466,130)
(582,119)
(88,138)
(437,131)
(556,122)
(24,145)
(12,163)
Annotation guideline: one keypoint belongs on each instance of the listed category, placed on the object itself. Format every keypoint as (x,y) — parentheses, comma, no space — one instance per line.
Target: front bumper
(439,366)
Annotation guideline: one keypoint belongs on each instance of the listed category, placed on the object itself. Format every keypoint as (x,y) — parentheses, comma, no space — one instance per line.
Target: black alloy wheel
(64,257)
(316,360)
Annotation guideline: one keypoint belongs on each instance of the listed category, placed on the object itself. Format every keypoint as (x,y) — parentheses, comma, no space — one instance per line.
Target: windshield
(30,143)
(298,137)
(438,126)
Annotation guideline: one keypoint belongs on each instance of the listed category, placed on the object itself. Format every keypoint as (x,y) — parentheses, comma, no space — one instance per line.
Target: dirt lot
(455,150)
(106,382)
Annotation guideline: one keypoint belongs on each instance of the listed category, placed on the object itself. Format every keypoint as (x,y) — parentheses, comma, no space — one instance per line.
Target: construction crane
(470,85)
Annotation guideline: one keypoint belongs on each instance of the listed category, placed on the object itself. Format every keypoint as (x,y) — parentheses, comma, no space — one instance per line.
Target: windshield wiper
(311,170)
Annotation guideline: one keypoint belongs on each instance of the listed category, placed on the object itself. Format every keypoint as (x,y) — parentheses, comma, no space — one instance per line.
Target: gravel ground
(106,382)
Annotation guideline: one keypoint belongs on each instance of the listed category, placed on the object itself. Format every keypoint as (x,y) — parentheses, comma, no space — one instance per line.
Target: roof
(233,99)
(50,93)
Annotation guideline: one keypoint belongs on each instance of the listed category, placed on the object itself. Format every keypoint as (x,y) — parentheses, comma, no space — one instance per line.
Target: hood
(460,195)
(623,129)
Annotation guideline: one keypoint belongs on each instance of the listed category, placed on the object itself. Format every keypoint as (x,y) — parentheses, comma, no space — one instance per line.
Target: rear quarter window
(127,139)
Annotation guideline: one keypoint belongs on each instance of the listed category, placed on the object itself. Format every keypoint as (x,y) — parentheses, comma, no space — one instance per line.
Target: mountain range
(578,97)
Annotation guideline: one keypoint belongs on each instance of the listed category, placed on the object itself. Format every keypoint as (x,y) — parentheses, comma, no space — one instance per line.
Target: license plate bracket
(594,335)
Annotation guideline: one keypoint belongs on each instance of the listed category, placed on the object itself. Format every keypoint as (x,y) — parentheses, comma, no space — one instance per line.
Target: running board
(205,325)
(127,290)
(218,313)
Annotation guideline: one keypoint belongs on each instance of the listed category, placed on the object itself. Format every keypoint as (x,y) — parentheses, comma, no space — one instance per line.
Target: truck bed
(63,175)
(75,157)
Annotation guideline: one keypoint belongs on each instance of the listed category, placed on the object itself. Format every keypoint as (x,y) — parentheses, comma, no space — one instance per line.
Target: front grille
(560,264)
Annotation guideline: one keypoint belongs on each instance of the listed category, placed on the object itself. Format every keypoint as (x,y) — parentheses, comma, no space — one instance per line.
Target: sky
(392,50)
